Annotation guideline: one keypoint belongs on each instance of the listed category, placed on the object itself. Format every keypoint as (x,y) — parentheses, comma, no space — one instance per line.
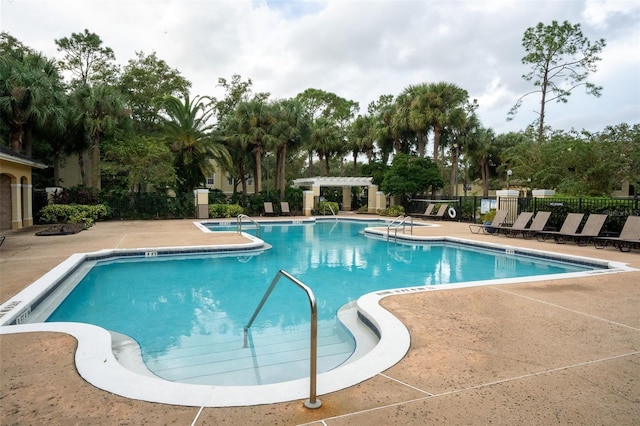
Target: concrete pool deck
(557,351)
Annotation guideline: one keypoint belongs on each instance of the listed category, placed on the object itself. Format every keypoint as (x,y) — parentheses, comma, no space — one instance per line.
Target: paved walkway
(548,352)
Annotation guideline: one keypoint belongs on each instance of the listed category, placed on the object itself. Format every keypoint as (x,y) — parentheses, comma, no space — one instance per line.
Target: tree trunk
(258,173)
(453,181)
(95,165)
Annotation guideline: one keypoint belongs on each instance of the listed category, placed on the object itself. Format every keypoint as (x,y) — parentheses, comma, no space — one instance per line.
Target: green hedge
(73,213)
(225,210)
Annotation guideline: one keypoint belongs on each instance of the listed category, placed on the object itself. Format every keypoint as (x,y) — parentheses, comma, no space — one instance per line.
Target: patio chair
(2,240)
(441,211)
(498,220)
(520,224)
(538,224)
(569,226)
(427,212)
(268,209)
(284,208)
(629,236)
(590,230)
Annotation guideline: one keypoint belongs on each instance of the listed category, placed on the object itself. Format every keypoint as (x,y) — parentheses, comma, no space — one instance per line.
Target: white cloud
(359,49)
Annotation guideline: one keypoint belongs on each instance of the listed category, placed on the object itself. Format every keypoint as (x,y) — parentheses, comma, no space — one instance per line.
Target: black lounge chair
(498,220)
(569,226)
(521,223)
(629,236)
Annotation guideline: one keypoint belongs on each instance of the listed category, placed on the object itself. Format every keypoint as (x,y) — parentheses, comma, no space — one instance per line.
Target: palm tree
(188,132)
(361,137)
(444,103)
(102,109)
(479,150)
(290,128)
(324,140)
(31,94)
(254,120)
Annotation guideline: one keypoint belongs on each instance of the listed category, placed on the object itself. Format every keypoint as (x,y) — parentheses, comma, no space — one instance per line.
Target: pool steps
(264,362)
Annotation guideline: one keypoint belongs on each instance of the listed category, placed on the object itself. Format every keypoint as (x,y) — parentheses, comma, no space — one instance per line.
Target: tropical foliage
(138,130)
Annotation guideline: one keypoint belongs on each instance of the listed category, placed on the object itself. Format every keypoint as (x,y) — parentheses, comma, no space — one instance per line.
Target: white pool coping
(98,365)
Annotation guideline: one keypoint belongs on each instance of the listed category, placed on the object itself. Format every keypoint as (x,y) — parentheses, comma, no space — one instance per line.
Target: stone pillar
(507,199)
(307,202)
(201,197)
(346,198)
(16,206)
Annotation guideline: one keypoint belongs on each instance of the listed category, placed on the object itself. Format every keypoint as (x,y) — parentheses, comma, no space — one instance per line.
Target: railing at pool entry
(312,402)
(244,216)
(400,221)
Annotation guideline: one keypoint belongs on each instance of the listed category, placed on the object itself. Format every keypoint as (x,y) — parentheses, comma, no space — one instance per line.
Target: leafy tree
(410,175)
(383,111)
(561,59)
(140,161)
(361,138)
(87,59)
(145,81)
(188,133)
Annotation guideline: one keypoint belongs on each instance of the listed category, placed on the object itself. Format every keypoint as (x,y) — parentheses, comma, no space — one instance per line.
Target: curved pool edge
(97,364)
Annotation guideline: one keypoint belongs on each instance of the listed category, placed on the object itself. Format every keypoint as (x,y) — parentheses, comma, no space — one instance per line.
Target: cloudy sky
(358,49)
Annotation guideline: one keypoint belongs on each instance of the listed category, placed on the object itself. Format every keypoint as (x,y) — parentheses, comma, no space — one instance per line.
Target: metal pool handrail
(402,222)
(244,216)
(312,402)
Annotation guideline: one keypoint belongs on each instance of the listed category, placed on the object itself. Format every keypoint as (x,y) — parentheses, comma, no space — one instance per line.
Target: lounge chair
(569,226)
(441,211)
(268,209)
(2,240)
(284,208)
(498,220)
(629,236)
(538,224)
(427,212)
(520,224)
(590,230)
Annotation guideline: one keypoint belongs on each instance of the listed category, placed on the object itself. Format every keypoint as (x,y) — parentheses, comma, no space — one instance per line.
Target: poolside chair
(538,224)
(441,211)
(2,240)
(520,224)
(284,208)
(268,209)
(427,212)
(498,220)
(590,230)
(629,236)
(569,226)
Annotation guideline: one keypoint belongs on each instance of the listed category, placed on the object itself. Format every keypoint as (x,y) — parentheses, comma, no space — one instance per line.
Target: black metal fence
(468,209)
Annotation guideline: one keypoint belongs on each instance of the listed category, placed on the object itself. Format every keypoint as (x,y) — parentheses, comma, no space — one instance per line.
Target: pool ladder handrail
(398,222)
(332,212)
(239,224)
(312,402)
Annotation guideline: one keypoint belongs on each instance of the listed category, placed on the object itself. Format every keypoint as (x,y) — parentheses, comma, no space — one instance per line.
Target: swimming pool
(322,251)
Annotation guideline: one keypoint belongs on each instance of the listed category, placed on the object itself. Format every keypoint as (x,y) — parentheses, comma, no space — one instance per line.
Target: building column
(346,198)
(16,206)
(27,199)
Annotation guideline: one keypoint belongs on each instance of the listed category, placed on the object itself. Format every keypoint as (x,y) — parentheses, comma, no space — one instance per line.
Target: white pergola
(376,199)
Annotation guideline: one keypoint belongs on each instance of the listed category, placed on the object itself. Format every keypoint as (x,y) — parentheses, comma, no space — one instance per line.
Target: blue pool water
(187,312)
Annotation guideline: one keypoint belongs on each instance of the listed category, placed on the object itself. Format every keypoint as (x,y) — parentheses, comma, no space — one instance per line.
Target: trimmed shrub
(326,207)
(73,213)
(393,211)
(225,210)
